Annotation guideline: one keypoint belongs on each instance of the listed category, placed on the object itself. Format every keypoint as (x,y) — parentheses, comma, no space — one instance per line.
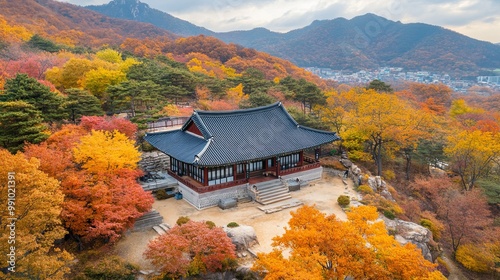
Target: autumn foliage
(323,247)
(36,208)
(98,174)
(191,249)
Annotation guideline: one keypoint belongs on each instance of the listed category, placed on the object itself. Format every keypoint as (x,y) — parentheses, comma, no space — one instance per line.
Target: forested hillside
(76,92)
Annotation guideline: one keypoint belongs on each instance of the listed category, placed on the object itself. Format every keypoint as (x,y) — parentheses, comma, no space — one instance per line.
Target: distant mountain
(138,11)
(370,41)
(364,42)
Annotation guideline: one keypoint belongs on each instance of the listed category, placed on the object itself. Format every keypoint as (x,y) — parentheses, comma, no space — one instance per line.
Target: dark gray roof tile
(240,135)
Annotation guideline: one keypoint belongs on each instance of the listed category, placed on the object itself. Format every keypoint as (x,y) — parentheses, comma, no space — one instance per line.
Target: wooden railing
(205,189)
(300,168)
(162,124)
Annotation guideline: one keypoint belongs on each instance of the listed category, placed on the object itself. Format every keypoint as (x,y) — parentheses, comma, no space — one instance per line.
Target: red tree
(109,124)
(190,249)
(466,217)
(103,207)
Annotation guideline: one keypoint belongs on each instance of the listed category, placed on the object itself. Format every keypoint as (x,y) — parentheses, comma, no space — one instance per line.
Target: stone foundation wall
(211,199)
(306,176)
(206,200)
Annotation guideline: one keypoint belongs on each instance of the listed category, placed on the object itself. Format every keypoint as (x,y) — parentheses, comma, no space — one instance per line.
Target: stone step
(148,220)
(159,230)
(267,185)
(281,186)
(147,223)
(274,192)
(276,189)
(275,199)
(164,226)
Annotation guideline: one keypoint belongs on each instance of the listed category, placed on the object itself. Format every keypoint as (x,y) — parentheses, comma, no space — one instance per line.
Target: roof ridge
(239,111)
(161,132)
(317,130)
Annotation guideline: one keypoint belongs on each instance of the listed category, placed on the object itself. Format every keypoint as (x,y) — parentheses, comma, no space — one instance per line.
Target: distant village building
(222,154)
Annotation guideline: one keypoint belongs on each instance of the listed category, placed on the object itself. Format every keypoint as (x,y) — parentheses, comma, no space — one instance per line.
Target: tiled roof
(238,136)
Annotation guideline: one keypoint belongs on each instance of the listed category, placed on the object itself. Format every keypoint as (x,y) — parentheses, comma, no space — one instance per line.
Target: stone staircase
(161,228)
(271,192)
(148,221)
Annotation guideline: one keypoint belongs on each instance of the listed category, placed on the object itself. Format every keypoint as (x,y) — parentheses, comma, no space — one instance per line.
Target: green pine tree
(81,103)
(29,90)
(20,122)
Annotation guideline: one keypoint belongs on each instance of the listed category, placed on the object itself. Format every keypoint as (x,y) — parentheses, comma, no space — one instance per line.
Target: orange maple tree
(323,247)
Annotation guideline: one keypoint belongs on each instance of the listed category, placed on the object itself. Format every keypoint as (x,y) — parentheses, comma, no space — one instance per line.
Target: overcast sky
(479,19)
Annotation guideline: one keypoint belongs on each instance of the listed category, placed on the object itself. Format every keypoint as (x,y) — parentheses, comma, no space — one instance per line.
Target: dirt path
(321,193)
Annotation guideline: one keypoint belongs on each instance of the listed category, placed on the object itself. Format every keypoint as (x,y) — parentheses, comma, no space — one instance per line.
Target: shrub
(344,200)
(476,258)
(182,220)
(110,268)
(433,225)
(393,192)
(388,175)
(365,189)
(210,224)
(146,147)
(232,225)
(161,194)
(332,163)
(389,214)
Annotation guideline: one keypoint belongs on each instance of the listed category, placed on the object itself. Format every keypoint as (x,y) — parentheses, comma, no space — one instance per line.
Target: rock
(413,232)
(390,225)
(345,162)
(387,195)
(416,234)
(243,237)
(376,183)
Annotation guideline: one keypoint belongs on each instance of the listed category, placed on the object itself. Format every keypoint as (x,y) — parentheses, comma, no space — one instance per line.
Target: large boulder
(405,232)
(243,237)
(378,185)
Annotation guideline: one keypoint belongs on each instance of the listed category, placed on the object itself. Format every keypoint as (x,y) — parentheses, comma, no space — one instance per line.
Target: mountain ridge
(142,12)
(363,42)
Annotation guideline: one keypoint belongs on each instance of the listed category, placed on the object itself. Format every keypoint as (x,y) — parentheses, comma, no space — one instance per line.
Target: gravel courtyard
(322,193)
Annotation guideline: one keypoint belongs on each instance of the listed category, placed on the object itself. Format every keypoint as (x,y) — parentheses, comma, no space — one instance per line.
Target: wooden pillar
(245,171)
(317,152)
(278,167)
(301,158)
(205,176)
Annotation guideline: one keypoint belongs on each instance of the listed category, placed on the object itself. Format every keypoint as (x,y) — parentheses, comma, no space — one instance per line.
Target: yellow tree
(472,154)
(104,151)
(335,111)
(109,55)
(31,204)
(236,95)
(385,123)
(71,73)
(323,247)
(98,80)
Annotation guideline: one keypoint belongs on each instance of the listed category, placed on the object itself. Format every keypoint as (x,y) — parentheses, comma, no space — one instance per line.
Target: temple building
(223,154)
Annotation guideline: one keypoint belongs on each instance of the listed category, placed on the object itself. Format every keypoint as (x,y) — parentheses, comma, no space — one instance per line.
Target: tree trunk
(408,164)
